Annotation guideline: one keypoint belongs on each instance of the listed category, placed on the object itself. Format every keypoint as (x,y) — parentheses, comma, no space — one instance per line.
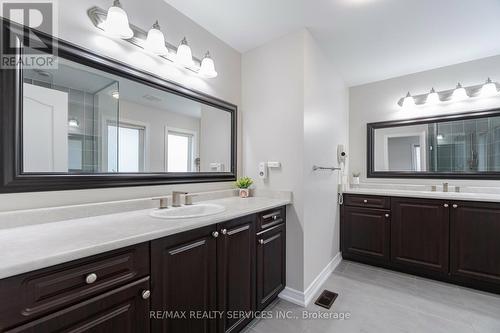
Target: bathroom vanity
(176,283)
(448,239)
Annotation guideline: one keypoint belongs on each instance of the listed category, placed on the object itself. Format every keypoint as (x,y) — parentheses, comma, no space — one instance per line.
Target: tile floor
(380,300)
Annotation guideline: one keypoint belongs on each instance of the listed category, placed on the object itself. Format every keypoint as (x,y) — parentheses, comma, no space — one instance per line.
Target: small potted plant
(244,184)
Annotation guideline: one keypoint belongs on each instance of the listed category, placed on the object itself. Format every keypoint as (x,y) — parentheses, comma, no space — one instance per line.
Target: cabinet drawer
(367,201)
(120,310)
(270,218)
(28,296)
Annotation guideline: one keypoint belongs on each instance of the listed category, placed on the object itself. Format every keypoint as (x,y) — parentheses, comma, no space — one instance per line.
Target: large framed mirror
(91,121)
(457,146)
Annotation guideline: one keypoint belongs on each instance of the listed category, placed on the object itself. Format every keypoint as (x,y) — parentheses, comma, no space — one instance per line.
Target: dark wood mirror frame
(370,157)
(12,179)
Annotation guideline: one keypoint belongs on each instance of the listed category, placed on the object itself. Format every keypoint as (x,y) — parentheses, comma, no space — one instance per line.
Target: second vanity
(130,272)
(453,237)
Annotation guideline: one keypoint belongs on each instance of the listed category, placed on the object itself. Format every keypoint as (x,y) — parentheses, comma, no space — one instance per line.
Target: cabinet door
(420,235)
(236,272)
(365,234)
(271,248)
(475,242)
(183,274)
(120,310)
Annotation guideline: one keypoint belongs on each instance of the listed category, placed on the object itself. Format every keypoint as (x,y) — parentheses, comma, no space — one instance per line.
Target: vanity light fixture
(184,55)
(116,23)
(208,67)
(432,98)
(408,101)
(155,42)
(74,123)
(115,94)
(459,94)
(489,89)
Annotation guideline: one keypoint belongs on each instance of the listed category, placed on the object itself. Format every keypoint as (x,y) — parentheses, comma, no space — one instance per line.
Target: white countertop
(30,247)
(465,196)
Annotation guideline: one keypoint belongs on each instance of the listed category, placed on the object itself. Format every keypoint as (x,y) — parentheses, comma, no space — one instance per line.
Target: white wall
(295,112)
(377,101)
(75,26)
(272,103)
(215,138)
(326,105)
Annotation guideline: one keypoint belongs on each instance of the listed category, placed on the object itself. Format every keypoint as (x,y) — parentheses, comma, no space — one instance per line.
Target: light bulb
(155,42)
(208,67)
(184,56)
(460,93)
(440,137)
(409,101)
(489,89)
(432,98)
(116,24)
(115,94)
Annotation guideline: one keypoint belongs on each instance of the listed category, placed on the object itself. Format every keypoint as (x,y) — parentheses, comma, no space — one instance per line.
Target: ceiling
(368,40)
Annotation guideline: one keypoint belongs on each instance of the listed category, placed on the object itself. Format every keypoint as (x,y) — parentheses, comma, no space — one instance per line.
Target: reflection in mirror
(460,146)
(77,119)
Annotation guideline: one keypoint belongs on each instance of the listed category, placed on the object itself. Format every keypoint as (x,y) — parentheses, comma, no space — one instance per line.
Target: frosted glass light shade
(489,89)
(432,98)
(184,55)
(409,101)
(459,94)
(208,67)
(116,24)
(155,42)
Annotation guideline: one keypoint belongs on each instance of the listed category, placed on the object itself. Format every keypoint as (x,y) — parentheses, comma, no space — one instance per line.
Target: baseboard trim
(304,298)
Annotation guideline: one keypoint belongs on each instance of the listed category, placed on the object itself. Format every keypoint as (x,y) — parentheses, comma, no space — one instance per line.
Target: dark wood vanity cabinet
(236,272)
(366,233)
(444,239)
(475,243)
(271,265)
(420,234)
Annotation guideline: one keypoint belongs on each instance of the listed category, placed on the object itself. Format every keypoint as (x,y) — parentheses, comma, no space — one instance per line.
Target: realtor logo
(25,46)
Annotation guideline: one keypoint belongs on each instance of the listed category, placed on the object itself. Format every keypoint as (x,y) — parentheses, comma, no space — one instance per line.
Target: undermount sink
(186,212)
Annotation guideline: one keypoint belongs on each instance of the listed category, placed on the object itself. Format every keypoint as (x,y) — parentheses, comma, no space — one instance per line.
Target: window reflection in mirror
(461,146)
(77,119)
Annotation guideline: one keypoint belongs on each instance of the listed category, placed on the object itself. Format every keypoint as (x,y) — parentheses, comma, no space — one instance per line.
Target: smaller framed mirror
(458,146)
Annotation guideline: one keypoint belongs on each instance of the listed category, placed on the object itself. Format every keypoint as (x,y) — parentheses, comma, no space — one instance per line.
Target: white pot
(244,192)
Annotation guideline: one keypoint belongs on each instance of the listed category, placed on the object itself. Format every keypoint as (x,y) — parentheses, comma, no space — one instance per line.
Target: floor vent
(326,299)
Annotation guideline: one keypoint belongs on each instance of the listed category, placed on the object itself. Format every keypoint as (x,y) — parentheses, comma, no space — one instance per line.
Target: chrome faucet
(445,187)
(176,198)
(163,202)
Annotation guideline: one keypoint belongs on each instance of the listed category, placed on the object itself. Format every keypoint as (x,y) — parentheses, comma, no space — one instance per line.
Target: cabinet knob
(215,234)
(91,278)
(387,215)
(223,231)
(261,241)
(446,205)
(365,201)
(275,217)
(455,206)
(146,294)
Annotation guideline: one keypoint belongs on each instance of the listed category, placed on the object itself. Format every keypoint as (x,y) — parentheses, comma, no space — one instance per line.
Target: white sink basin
(186,212)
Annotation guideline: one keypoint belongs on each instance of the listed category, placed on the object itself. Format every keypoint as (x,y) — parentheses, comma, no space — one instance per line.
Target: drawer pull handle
(223,231)
(365,201)
(215,234)
(446,205)
(261,241)
(146,294)
(387,215)
(91,278)
(455,206)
